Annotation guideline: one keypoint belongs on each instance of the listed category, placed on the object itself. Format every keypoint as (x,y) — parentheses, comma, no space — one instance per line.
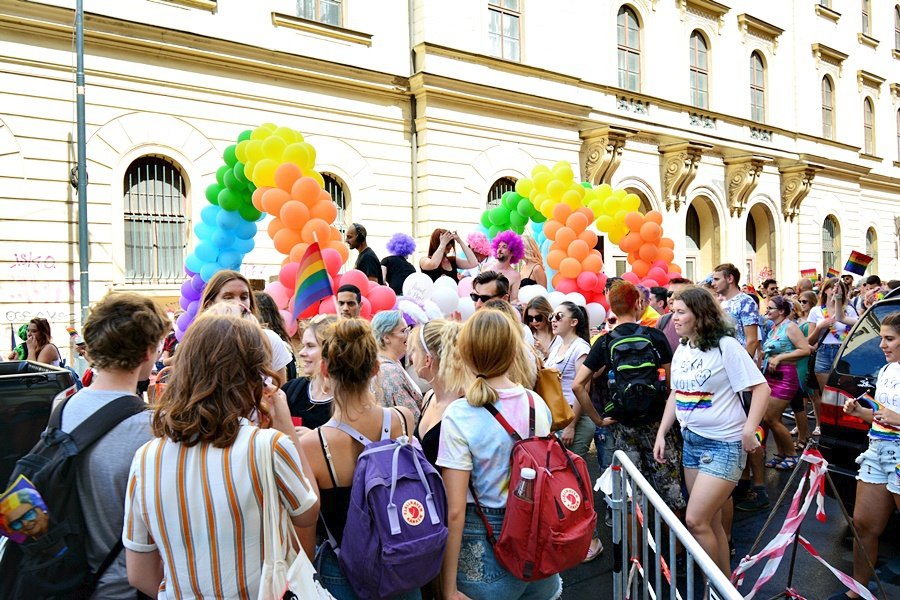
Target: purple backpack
(396,527)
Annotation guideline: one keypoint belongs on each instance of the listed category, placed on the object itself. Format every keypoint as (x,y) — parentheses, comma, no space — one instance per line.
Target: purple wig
(513,242)
(401,244)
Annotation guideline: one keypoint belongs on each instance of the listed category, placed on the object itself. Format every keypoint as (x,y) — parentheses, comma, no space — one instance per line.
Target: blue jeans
(480,576)
(724,460)
(825,356)
(333,580)
(603,440)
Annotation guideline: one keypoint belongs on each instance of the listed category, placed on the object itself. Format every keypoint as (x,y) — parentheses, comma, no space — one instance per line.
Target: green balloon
(245,135)
(538,217)
(249,213)
(493,231)
(238,171)
(486,219)
(232,182)
(228,155)
(499,216)
(229,200)
(586,184)
(212,193)
(220,174)
(251,187)
(518,221)
(525,207)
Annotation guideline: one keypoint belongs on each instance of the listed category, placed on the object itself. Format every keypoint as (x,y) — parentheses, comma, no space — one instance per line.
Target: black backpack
(636,392)
(55,565)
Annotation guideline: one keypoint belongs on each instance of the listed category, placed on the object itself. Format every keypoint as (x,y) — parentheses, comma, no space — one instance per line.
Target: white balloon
(556,298)
(530,292)
(418,286)
(445,282)
(576,299)
(596,314)
(445,299)
(466,307)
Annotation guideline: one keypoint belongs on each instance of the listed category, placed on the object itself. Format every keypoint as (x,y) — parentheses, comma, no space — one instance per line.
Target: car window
(862,356)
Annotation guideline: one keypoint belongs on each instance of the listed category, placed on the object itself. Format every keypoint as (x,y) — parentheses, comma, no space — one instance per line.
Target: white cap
(527,473)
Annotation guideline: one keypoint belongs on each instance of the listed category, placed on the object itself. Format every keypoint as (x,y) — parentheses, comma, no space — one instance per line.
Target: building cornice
(827,13)
(750,24)
(321,29)
(209,5)
(829,55)
(836,167)
(714,11)
(866,79)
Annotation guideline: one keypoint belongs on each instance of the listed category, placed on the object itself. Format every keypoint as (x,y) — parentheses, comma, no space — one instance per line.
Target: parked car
(853,374)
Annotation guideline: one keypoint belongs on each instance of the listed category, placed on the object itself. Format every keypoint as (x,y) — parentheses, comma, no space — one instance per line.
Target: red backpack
(553,532)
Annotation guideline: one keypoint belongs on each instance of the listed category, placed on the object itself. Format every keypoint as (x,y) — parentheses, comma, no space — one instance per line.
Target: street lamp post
(83,241)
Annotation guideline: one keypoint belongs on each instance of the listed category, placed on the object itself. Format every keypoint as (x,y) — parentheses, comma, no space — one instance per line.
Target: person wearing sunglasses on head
(537,318)
(367,261)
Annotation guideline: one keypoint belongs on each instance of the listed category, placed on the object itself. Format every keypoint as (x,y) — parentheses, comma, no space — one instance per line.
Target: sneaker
(756,499)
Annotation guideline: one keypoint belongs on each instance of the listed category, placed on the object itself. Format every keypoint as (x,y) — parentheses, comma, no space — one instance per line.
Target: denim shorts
(825,356)
(332,578)
(724,460)
(880,465)
(480,576)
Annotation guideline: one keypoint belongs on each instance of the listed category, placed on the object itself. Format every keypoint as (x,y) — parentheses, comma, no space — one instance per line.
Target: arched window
(898,135)
(897,28)
(866,14)
(336,189)
(155,223)
(757,88)
(872,249)
(699,71)
(500,187)
(692,228)
(827,108)
(869,127)
(629,45)
(831,243)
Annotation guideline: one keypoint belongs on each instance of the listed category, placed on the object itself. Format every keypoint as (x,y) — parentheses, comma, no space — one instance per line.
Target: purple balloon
(188,291)
(193,308)
(183,322)
(184,302)
(198,283)
(188,272)
(178,333)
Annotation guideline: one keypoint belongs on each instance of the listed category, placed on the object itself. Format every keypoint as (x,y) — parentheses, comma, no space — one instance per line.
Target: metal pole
(84,280)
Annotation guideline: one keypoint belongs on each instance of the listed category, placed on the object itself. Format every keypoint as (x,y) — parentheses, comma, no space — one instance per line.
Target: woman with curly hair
(709,369)
(396,267)
(508,250)
(533,264)
(442,259)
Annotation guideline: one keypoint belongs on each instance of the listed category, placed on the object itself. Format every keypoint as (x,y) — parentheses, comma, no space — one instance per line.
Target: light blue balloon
(209,269)
(193,263)
(203,231)
(228,220)
(545,247)
(550,274)
(229,259)
(245,230)
(537,228)
(222,239)
(206,252)
(209,213)
(243,246)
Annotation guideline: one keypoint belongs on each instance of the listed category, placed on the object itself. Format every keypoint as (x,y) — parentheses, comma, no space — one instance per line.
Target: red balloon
(586,281)
(658,275)
(332,260)
(327,306)
(660,264)
(566,285)
(357,278)
(601,284)
(288,275)
(382,298)
(631,277)
(650,283)
(365,310)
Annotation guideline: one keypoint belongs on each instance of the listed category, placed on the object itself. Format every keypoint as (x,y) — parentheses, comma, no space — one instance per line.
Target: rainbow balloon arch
(271,170)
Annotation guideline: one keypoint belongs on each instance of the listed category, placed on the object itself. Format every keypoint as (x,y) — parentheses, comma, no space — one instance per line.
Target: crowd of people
(679,378)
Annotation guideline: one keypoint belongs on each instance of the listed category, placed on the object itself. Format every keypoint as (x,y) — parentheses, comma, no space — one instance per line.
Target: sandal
(594,550)
(800,445)
(776,459)
(794,431)
(788,464)
(816,432)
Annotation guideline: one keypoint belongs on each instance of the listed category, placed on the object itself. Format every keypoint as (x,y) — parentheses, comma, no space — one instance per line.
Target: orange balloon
(640,268)
(648,252)
(665,254)
(341,249)
(561,212)
(673,268)
(327,211)
(569,268)
(316,230)
(579,250)
(587,212)
(298,251)
(651,232)
(557,277)
(294,214)
(286,239)
(593,263)
(559,246)
(273,199)
(588,236)
(631,242)
(306,190)
(565,236)
(551,227)
(336,235)
(634,220)
(257,198)
(654,216)
(667,243)
(286,175)
(632,256)
(554,258)
(275,225)
(577,222)
(324,196)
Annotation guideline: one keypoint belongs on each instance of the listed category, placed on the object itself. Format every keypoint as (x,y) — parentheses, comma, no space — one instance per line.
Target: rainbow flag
(832,272)
(313,282)
(867,401)
(809,274)
(858,263)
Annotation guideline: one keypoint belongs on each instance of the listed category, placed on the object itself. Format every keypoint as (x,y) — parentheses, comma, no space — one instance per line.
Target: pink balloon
(365,310)
(357,278)
(327,306)
(290,325)
(382,298)
(586,281)
(566,285)
(601,283)
(631,277)
(333,261)
(372,286)
(660,264)
(464,288)
(650,283)
(659,275)
(280,294)
(288,275)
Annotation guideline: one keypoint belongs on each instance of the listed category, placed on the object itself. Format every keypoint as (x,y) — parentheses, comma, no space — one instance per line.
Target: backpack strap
(351,431)
(107,563)
(326,452)
(402,423)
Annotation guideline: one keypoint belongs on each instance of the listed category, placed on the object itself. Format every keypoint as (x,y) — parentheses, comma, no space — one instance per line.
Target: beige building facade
(768,133)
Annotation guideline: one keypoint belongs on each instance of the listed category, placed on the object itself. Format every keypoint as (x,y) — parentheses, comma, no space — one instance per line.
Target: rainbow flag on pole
(809,274)
(832,272)
(313,282)
(858,263)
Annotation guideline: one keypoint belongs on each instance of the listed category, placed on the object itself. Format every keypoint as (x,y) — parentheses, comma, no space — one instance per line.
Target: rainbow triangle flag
(832,272)
(809,274)
(858,263)
(313,282)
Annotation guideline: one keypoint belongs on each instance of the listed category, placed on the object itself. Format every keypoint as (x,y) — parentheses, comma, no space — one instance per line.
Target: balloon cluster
(611,206)
(268,147)
(513,213)
(573,252)
(649,253)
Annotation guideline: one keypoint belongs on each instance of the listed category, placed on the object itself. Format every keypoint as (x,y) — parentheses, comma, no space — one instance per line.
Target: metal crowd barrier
(641,568)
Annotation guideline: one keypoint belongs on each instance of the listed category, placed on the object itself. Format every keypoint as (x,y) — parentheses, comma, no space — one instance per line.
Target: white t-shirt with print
(473,440)
(815,315)
(887,393)
(706,385)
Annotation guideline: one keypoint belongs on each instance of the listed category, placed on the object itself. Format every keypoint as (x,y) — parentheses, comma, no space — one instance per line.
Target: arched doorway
(701,238)
(759,242)
(831,244)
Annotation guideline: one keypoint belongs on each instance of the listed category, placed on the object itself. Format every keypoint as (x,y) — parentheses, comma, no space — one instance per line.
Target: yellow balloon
(538,169)
(603,191)
(273,146)
(254,150)
(318,177)
(619,217)
(615,237)
(572,198)
(604,222)
(264,173)
(260,133)
(541,180)
(312,153)
(288,135)
(632,202)
(240,151)
(248,169)
(524,187)
(619,194)
(297,154)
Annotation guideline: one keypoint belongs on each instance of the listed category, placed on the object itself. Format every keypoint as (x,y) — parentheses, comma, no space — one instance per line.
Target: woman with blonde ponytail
(475,449)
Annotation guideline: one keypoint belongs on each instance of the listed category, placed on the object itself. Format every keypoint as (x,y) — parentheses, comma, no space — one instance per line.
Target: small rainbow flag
(858,263)
(313,282)
(867,401)
(832,272)
(760,434)
(809,274)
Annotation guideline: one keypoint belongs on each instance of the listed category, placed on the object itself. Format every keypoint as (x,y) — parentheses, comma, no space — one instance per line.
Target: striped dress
(201,508)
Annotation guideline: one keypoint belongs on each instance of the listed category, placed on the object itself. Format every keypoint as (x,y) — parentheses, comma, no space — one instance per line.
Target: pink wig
(513,242)
(479,243)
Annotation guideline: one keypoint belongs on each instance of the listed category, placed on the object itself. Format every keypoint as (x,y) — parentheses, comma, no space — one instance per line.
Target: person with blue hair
(393,386)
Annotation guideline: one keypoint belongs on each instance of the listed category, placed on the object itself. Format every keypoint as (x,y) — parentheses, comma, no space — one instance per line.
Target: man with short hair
(122,336)
(847,278)
(770,288)
(805,284)
(367,261)
(659,299)
(488,285)
(349,301)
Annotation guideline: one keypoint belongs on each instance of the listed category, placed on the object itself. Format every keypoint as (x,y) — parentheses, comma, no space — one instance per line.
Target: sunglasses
(483,297)
(19,523)
(558,316)
(535,318)
(669,294)
(612,320)
(804,302)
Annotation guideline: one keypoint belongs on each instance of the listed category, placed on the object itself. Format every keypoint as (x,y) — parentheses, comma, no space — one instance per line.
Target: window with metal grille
(869,126)
(155,222)
(866,14)
(504,31)
(827,108)
(629,45)
(757,88)
(336,189)
(500,187)
(323,11)
(831,243)
(699,71)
